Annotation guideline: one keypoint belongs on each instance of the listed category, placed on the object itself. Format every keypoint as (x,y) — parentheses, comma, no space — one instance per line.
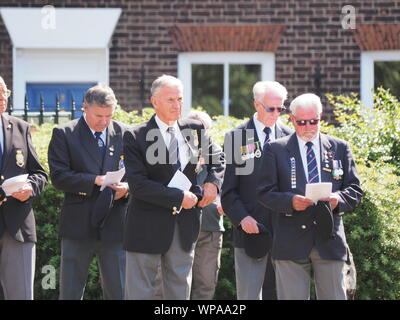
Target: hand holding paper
(14,184)
(181,182)
(318,191)
(113,177)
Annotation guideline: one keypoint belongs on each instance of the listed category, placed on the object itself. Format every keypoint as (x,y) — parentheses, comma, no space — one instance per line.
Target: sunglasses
(272,109)
(311,122)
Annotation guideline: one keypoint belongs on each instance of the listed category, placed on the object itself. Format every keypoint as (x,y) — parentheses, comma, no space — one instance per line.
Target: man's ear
(153,101)
(292,118)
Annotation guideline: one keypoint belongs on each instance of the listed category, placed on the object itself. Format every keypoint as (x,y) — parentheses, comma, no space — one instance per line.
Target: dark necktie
(312,166)
(267,131)
(173,149)
(100,143)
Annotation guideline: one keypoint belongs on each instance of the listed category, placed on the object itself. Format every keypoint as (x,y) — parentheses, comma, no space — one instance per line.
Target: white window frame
(367,76)
(185,61)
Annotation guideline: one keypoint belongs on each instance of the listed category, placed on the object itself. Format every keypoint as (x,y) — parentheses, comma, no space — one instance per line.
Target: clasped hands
(209,194)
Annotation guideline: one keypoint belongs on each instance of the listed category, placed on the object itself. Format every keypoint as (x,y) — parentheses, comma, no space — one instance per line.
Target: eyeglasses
(311,122)
(6,93)
(272,109)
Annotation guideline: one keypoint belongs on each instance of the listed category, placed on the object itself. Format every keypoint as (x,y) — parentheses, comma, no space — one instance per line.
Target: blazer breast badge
(19,157)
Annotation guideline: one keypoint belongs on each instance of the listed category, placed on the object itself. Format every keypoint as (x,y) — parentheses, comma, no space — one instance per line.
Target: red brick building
(308,46)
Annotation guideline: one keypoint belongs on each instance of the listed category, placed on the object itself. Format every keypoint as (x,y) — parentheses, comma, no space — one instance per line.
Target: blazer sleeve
(63,177)
(37,175)
(268,192)
(230,198)
(215,161)
(140,185)
(350,193)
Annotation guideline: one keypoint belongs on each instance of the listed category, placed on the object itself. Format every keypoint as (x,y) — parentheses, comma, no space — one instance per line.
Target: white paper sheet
(316,191)
(13,184)
(180,181)
(113,177)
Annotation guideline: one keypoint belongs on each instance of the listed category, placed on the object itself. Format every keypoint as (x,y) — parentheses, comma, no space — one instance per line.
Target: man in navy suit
(305,234)
(243,147)
(163,222)
(17,221)
(80,153)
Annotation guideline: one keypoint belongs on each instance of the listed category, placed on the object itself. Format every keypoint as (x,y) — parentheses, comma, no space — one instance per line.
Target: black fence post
(73,108)
(41,114)
(26,108)
(57,109)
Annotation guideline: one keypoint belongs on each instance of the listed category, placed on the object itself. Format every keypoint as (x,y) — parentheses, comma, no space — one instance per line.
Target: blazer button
(303,226)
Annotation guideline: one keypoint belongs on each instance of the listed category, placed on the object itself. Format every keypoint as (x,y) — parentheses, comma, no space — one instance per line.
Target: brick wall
(313,34)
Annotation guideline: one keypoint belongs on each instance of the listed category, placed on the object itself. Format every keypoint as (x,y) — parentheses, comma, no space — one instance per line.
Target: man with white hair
(243,147)
(306,234)
(163,220)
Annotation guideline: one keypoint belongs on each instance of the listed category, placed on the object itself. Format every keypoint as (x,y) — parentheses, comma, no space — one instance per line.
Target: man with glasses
(17,222)
(308,234)
(243,147)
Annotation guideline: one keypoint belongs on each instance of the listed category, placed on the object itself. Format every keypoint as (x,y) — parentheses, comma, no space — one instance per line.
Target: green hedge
(373,229)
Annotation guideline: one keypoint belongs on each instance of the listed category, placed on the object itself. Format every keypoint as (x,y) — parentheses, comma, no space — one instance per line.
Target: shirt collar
(102,133)
(163,126)
(302,143)
(260,126)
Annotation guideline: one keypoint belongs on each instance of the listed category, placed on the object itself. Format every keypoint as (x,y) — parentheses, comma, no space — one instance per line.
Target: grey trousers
(293,278)
(76,256)
(250,275)
(206,265)
(17,268)
(176,269)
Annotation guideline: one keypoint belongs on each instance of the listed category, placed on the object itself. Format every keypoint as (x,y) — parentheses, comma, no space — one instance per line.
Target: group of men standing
(147,226)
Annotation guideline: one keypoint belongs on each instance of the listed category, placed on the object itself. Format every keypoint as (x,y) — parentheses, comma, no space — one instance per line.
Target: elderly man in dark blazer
(243,147)
(307,234)
(81,152)
(17,221)
(163,222)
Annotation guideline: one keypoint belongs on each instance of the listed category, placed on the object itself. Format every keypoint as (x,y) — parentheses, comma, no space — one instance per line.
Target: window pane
(242,78)
(387,75)
(208,87)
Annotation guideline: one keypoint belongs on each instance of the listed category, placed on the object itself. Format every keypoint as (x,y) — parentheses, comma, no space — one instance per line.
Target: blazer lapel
(89,142)
(8,131)
(294,152)
(111,160)
(326,158)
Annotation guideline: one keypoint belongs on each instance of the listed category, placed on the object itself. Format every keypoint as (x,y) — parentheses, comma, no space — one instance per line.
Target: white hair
(202,116)
(165,81)
(307,101)
(273,88)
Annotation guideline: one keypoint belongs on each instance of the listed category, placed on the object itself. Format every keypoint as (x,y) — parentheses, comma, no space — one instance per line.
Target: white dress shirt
(260,131)
(183,147)
(303,152)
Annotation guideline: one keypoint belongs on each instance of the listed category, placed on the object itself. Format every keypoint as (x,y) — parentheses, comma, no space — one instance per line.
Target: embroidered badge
(19,157)
(121,162)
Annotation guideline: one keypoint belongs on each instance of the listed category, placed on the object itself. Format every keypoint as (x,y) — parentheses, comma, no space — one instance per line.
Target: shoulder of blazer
(16,121)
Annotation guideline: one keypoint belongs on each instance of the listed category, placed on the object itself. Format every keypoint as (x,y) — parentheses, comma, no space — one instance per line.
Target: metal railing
(55,112)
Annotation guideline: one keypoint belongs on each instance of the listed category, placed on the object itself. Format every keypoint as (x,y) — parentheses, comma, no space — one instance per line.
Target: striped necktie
(100,143)
(173,149)
(312,165)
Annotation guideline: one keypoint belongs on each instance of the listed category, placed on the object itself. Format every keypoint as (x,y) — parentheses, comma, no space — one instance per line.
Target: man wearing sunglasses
(306,234)
(243,147)
(17,221)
